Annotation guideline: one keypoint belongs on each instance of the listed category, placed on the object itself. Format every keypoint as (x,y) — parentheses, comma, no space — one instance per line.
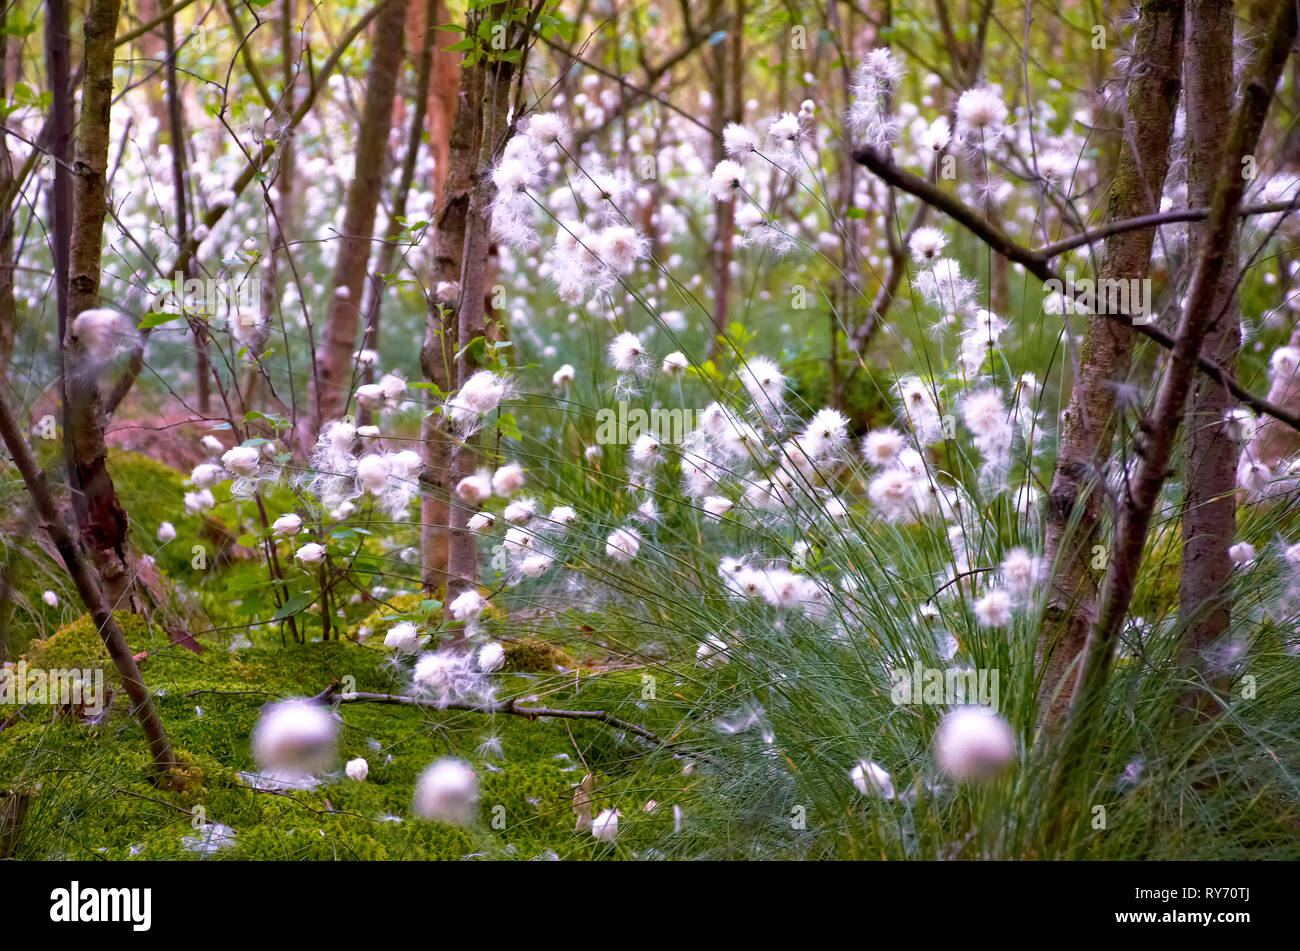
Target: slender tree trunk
(281,223)
(1157,435)
(1209,522)
(724,211)
(58,43)
(8,312)
(176,126)
(1074,506)
(437,356)
(491,88)
(334,360)
(100,515)
(90,591)
(388,250)
(443,96)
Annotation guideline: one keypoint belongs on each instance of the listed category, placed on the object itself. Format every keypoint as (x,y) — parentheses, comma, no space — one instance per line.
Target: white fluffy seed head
(467,605)
(974,743)
(727,180)
(872,779)
(447,791)
(297,735)
(372,473)
(1242,553)
(623,544)
(205,475)
(97,333)
(605,826)
(508,480)
(241,461)
(491,657)
(474,489)
(994,609)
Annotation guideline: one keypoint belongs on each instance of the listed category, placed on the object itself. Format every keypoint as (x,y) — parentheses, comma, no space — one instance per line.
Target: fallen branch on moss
(334,694)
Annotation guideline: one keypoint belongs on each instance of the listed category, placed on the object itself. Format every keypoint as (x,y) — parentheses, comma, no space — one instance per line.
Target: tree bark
(438,354)
(8,312)
(1074,505)
(724,216)
(392,234)
(443,97)
(176,127)
(490,89)
(100,516)
(1274,441)
(334,361)
(1157,434)
(1209,522)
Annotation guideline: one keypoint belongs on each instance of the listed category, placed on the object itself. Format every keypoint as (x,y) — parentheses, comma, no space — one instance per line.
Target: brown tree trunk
(176,127)
(100,516)
(8,313)
(724,211)
(1156,438)
(489,97)
(91,593)
(443,89)
(388,250)
(1074,506)
(437,356)
(1274,440)
(334,361)
(1209,522)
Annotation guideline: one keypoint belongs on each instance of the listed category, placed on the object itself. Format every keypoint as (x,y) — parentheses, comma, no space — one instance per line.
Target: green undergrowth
(87,789)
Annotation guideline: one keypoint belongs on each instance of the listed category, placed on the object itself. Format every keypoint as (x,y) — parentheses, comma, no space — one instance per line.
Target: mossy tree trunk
(1072,548)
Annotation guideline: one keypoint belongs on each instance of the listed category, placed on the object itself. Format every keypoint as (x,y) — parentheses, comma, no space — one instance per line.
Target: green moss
(532,655)
(89,793)
(79,644)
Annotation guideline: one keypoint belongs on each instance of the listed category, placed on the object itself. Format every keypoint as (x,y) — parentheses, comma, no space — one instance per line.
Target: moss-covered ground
(88,790)
(79,790)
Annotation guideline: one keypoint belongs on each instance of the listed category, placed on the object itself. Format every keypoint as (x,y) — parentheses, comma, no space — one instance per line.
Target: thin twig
(334,694)
(1036,262)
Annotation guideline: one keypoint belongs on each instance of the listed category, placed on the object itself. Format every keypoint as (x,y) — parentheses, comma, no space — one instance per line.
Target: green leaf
(155,319)
(294,605)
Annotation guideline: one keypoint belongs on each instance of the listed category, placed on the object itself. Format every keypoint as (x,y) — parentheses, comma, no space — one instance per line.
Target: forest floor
(73,786)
